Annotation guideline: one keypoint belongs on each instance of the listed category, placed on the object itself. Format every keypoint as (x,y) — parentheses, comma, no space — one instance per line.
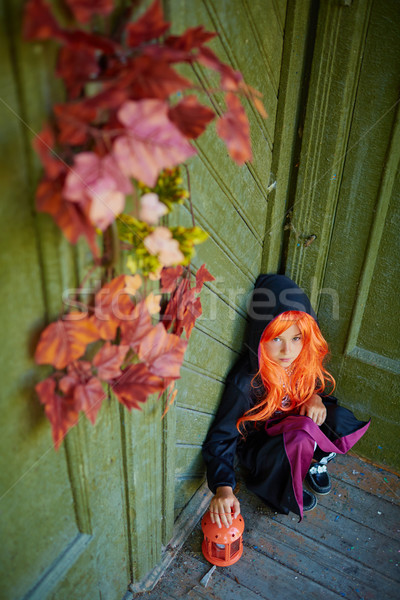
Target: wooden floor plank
(330,529)
(264,575)
(336,569)
(367,476)
(347,547)
(182,581)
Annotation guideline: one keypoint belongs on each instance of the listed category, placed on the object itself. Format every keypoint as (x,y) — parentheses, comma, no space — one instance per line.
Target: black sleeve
(220,444)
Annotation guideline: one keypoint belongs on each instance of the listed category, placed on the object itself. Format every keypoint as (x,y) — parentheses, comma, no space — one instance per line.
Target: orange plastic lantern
(222,546)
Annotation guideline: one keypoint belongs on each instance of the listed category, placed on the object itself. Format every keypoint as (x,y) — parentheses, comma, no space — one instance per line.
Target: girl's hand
(315,409)
(221,506)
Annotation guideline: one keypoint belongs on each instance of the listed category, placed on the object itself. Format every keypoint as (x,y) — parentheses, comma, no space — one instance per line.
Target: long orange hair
(308,376)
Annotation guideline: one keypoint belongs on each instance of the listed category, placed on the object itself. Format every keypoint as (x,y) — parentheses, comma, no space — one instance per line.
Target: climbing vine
(112,156)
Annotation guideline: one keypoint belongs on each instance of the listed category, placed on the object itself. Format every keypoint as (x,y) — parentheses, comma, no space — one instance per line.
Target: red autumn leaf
(183,300)
(169,400)
(44,143)
(170,314)
(49,196)
(84,10)
(135,385)
(152,78)
(65,340)
(152,142)
(194,37)
(192,313)
(202,276)
(68,216)
(109,99)
(230,79)
(108,361)
(59,410)
(76,65)
(161,53)
(112,304)
(169,278)
(89,397)
(136,326)
(82,388)
(39,23)
(234,129)
(78,38)
(73,120)
(187,304)
(80,371)
(149,26)
(163,352)
(191,117)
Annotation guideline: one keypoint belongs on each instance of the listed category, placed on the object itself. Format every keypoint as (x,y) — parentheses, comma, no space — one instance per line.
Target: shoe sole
(311,508)
(315,491)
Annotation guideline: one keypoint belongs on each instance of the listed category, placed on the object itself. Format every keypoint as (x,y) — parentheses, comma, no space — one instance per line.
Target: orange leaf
(192,313)
(202,276)
(89,396)
(135,385)
(234,129)
(134,328)
(65,340)
(108,361)
(113,305)
(60,411)
(169,278)
(260,107)
(170,398)
(163,352)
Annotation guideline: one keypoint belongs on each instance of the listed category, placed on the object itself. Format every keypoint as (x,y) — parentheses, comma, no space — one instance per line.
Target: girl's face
(286,348)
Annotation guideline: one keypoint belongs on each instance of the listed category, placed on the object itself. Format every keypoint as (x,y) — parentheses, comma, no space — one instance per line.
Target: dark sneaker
(318,479)
(309,501)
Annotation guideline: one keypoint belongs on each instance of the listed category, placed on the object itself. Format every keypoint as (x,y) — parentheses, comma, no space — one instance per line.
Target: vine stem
(190,193)
(88,274)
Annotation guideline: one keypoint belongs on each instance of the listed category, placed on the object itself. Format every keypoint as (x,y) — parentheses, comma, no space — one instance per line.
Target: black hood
(272,295)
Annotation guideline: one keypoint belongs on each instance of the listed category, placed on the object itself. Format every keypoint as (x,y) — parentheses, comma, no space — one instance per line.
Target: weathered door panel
(348,196)
(63,515)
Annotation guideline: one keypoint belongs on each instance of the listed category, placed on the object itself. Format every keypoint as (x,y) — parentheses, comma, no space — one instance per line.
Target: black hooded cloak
(277,454)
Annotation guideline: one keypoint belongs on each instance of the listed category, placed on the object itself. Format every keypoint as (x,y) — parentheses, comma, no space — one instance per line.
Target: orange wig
(308,374)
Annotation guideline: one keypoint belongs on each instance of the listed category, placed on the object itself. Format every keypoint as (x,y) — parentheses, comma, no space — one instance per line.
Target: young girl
(274,412)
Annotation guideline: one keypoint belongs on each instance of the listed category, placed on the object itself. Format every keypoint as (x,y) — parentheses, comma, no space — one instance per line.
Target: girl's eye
(297,338)
(277,339)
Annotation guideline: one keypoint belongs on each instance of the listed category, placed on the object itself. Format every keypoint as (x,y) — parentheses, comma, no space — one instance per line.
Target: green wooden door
(347,194)
(84,522)
(64,527)
(231,204)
